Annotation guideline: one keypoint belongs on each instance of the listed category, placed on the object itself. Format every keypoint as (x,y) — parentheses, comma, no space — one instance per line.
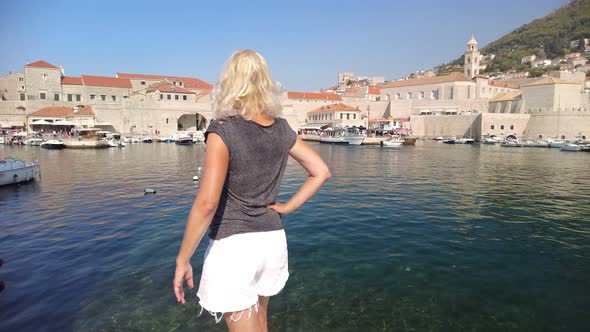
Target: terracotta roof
(313,95)
(452,77)
(374,90)
(352,90)
(62,111)
(378,120)
(69,80)
(204,92)
(106,81)
(187,82)
(504,96)
(549,81)
(168,87)
(334,107)
(41,64)
(503,84)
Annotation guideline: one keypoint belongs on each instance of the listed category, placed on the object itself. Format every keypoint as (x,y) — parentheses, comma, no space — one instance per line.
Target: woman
(247,151)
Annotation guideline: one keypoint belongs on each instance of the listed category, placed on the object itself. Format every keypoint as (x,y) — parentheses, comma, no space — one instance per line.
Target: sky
(306,43)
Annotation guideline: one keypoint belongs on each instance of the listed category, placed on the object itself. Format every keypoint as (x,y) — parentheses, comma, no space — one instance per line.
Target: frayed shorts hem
(235,315)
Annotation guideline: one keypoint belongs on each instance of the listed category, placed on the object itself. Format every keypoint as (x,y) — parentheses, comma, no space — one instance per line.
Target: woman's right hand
(184,272)
(282,209)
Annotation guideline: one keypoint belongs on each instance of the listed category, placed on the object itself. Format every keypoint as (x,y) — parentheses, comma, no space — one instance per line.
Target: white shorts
(239,268)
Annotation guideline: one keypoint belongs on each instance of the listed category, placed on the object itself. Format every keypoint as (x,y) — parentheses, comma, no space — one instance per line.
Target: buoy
(195,178)
(149,191)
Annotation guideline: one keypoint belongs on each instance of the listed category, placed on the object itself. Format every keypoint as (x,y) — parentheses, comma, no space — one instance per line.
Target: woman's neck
(262,119)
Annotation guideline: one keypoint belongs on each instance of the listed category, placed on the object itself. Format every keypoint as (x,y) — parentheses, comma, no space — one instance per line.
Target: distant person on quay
(247,150)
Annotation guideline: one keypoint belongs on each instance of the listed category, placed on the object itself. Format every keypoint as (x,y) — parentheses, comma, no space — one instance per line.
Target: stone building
(335,115)
(129,103)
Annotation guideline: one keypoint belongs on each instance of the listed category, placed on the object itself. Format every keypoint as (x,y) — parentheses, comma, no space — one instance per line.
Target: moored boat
(570,147)
(392,143)
(465,141)
(13,171)
(509,143)
(184,140)
(85,144)
(409,141)
(489,140)
(34,141)
(147,140)
(53,144)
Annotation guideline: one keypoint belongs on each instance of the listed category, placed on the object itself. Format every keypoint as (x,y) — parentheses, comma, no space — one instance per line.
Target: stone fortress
(464,104)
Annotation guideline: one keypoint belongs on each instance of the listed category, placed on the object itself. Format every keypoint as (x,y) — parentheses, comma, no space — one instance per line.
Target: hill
(548,36)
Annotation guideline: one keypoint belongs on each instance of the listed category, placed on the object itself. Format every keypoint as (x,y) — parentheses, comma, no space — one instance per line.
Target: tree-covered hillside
(548,36)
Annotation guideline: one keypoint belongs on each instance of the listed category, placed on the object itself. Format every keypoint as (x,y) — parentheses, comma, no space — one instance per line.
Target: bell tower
(471,66)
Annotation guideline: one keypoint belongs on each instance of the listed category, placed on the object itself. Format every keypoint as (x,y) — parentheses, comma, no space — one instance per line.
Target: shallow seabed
(426,238)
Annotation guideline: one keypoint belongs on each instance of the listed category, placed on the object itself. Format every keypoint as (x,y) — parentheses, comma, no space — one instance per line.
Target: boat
(556,144)
(451,140)
(121,144)
(113,143)
(489,140)
(147,140)
(354,136)
(541,144)
(34,141)
(184,140)
(511,143)
(168,139)
(465,141)
(1,140)
(570,147)
(86,144)
(393,142)
(409,141)
(334,136)
(198,136)
(14,171)
(439,138)
(53,144)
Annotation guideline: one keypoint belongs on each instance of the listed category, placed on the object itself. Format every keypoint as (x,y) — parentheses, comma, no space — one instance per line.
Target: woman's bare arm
(318,175)
(201,214)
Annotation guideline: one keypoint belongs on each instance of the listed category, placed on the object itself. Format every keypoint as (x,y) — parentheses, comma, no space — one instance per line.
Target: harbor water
(431,237)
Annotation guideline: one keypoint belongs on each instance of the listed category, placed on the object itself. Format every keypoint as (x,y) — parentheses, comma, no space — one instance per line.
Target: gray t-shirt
(257,158)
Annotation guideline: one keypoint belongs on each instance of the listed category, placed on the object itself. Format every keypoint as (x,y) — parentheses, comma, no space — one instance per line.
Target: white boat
(34,141)
(354,136)
(198,136)
(541,144)
(184,140)
(1,140)
(489,140)
(512,143)
(465,141)
(556,144)
(170,139)
(17,171)
(54,144)
(113,143)
(334,136)
(439,138)
(570,147)
(392,143)
(351,136)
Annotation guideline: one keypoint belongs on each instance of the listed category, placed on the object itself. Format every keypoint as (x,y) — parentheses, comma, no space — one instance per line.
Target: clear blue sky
(305,42)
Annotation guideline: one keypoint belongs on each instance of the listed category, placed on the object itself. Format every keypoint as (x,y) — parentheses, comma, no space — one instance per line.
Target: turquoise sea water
(427,238)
